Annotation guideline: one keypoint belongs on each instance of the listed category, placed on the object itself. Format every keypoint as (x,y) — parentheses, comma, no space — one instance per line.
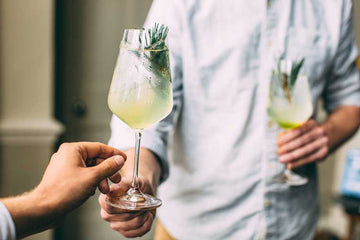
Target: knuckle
(284,148)
(308,149)
(101,200)
(322,153)
(296,154)
(128,234)
(302,141)
(145,230)
(104,215)
(320,131)
(289,146)
(109,209)
(307,138)
(106,207)
(138,221)
(65,146)
(54,155)
(115,226)
(149,222)
(326,141)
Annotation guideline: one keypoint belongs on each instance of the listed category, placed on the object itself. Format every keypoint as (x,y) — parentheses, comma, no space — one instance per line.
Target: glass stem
(135,183)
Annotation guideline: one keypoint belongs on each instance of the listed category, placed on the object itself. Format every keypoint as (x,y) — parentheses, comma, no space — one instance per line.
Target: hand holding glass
(140,95)
(289,108)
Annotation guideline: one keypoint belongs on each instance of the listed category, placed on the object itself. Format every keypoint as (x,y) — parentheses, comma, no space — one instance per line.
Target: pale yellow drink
(292,114)
(141,107)
(146,97)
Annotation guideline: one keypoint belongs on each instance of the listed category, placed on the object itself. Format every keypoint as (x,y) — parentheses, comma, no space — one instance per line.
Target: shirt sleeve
(156,138)
(7,226)
(343,86)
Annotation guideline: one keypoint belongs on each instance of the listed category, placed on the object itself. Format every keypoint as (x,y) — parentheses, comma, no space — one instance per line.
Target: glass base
(134,200)
(294,179)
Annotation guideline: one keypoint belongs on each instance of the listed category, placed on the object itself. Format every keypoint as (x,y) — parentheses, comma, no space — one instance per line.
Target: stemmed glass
(140,95)
(289,105)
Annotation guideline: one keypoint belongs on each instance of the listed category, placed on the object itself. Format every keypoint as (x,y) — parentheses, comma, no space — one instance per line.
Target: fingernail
(118,160)
(281,159)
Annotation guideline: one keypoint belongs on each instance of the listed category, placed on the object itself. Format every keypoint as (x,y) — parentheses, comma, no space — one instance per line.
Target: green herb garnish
(287,79)
(156,59)
(155,37)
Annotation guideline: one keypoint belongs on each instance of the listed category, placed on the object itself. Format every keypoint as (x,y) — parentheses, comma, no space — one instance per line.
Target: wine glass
(289,105)
(140,95)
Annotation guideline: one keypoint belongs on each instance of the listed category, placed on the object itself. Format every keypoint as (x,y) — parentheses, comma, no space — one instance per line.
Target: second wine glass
(289,105)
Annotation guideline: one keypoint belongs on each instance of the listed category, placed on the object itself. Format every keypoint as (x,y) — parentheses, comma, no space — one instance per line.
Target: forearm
(149,167)
(30,213)
(341,124)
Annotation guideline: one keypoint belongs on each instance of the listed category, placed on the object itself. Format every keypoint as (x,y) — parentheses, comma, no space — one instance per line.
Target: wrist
(327,127)
(149,168)
(30,212)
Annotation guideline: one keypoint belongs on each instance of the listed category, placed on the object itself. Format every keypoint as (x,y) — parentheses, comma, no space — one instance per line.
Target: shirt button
(270,43)
(267,203)
(271,165)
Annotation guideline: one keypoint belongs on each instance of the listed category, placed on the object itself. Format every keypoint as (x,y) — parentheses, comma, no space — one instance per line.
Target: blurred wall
(88,34)
(27,133)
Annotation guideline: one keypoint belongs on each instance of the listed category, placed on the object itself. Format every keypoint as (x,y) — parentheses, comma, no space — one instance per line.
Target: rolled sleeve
(343,86)
(7,226)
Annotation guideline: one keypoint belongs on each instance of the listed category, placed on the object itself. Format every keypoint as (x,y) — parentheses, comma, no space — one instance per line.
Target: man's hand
(305,144)
(312,142)
(75,171)
(132,223)
(72,176)
(128,223)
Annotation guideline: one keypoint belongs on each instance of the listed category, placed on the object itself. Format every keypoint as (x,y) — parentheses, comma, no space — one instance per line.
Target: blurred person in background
(218,181)
(69,180)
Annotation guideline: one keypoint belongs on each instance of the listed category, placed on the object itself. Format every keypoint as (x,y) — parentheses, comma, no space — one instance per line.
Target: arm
(341,124)
(312,142)
(66,184)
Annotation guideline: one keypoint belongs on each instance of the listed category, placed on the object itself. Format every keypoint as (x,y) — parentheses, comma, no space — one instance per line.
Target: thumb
(109,167)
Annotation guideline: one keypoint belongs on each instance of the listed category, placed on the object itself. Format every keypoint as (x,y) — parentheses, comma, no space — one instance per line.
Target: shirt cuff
(350,100)
(158,147)
(7,226)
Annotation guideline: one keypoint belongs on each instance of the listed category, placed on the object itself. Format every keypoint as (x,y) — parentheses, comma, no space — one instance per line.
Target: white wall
(89,35)
(27,133)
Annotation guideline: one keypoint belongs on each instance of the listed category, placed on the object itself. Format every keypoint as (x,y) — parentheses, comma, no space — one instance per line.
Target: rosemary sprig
(155,37)
(295,69)
(156,59)
(287,79)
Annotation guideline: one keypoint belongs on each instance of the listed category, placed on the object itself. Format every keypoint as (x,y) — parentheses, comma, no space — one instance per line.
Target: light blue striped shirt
(217,152)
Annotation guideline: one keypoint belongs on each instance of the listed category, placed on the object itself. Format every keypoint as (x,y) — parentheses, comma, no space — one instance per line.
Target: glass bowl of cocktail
(141,95)
(289,103)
